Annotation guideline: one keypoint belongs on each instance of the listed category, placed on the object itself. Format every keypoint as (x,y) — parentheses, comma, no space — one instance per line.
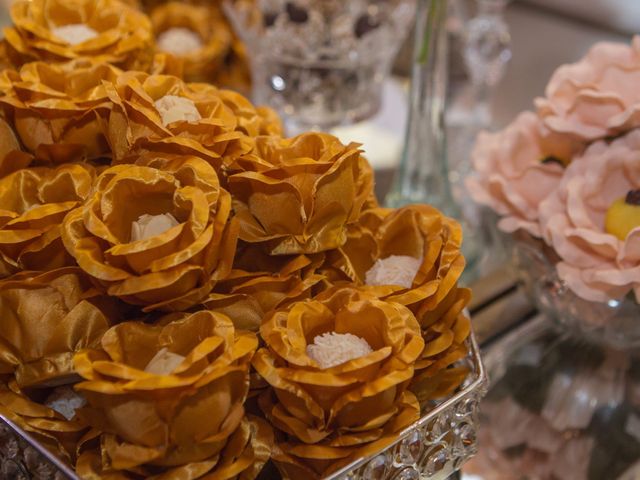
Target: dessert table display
(186,293)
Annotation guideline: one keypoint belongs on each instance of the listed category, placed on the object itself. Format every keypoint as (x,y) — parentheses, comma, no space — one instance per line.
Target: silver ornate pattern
(438,444)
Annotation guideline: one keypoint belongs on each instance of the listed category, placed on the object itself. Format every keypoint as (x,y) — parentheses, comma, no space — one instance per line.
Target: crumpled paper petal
(173,270)
(343,408)
(185,415)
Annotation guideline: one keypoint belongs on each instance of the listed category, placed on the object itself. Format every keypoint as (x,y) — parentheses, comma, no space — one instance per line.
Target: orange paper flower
(55,108)
(334,415)
(196,34)
(34,201)
(46,318)
(246,452)
(178,117)
(418,232)
(378,246)
(55,31)
(259,283)
(298,195)
(168,394)
(156,234)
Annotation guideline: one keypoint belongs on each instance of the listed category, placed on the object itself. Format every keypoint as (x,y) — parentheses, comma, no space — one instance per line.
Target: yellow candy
(622,217)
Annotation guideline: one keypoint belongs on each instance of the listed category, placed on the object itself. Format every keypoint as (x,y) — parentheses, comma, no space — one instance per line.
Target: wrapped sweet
(34,201)
(55,108)
(59,432)
(171,395)
(411,256)
(166,113)
(339,383)
(298,195)
(156,234)
(46,318)
(106,31)
(196,34)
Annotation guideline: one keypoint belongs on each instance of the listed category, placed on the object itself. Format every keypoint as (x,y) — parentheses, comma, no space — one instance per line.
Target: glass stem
(422,176)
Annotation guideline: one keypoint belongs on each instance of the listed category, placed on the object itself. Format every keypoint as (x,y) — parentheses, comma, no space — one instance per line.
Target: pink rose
(515,169)
(597,96)
(595,264)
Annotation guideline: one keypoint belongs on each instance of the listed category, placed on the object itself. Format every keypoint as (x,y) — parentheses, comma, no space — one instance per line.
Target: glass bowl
(320,64)
(615,323)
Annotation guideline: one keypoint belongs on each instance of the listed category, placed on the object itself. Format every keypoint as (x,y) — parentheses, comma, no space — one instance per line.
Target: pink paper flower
(596,265)
(597,96)
(516,168)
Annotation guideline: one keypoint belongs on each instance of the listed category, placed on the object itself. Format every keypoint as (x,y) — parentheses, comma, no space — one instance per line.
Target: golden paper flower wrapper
(124,37)
(48,426)
(208,23)
(172,270)
(55,108)
(301,460)
(34,201)
(183,413)
(46,318)
(417,231)
(297,195)
(246,452)
(135,122)
(331,416)
(259,283)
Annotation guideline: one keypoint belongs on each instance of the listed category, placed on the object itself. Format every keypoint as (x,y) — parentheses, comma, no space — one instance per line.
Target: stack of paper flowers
(185,292)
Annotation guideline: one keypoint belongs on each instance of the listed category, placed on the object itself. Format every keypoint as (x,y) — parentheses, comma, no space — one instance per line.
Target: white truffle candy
(331,349)
(164,362)
(148,226)
(173,108)
(74,33)
(394,270)
(179,41)
(65,400)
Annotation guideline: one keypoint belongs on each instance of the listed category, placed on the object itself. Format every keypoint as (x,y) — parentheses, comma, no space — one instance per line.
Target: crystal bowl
(320,64)
(615,323)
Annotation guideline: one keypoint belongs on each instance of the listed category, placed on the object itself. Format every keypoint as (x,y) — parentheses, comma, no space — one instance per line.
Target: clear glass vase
(422,176)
